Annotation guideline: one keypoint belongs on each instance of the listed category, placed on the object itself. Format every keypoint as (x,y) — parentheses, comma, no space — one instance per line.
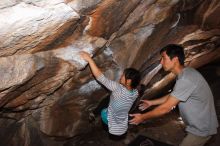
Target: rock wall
(46,89)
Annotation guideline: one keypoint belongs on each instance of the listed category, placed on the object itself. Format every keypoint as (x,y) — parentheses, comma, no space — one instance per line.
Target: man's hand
(137,119)
(85,56)
(145,104)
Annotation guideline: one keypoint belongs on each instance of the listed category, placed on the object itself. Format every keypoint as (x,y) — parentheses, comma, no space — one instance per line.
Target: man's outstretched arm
(148,103)
(162,109)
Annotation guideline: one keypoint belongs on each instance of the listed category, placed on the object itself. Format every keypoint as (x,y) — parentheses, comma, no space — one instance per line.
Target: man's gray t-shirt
(196,103)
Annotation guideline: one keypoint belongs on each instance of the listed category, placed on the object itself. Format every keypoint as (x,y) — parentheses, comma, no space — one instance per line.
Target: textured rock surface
(46,90)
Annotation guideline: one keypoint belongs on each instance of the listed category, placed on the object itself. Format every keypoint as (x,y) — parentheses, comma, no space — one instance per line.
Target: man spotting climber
(191,93)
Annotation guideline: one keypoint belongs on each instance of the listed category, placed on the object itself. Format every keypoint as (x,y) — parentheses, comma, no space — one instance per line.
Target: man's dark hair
(173,50)
(134,75)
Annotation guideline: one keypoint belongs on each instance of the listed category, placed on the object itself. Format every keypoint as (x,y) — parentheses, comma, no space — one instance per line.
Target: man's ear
(176,59)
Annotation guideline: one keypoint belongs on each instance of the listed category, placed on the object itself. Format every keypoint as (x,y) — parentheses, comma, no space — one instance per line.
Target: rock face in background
(46,90)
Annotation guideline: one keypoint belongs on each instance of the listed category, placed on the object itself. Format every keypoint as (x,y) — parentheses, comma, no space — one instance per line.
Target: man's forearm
(160,110)
(157,112)
(160,100)
(166,107)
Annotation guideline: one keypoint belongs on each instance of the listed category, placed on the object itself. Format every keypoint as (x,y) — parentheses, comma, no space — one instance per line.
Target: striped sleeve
(109,84)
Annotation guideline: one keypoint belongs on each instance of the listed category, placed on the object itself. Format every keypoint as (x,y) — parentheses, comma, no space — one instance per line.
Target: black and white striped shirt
(120,103)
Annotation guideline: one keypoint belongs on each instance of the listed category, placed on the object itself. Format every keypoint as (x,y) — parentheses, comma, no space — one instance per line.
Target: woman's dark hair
(173,50)
(134,75)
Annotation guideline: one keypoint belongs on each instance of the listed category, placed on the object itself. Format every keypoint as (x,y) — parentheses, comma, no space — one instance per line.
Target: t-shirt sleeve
(109,84)
(183,89)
